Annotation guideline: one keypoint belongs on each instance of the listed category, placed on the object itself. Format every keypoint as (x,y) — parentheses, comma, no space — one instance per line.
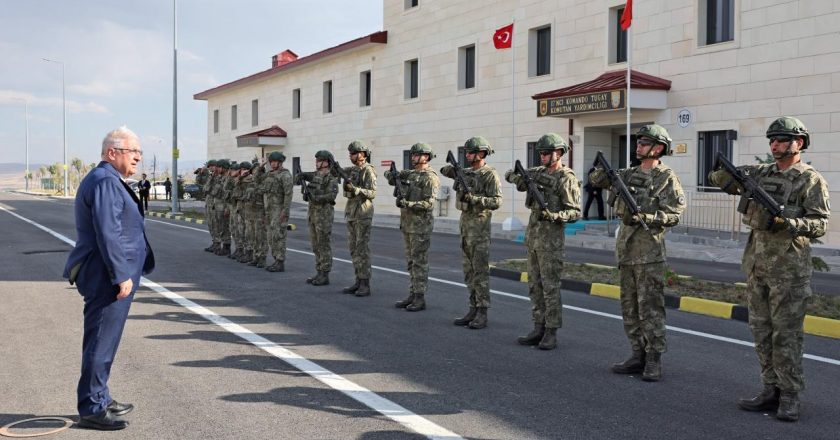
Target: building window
(717,21)
(466,67)
(618,37)
(364,89)
(539,51)
(215,121)
(327,96)
(255,113)
(233,117)
(533,155)
(296,104)
(406,160)
(408,4)
(412,79)
(709,144)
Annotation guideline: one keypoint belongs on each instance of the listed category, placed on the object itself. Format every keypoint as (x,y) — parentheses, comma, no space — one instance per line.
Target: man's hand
(546,215)
(468,198)
(401,203)
(125,288)
(780,224)
(635,219)
(349,187)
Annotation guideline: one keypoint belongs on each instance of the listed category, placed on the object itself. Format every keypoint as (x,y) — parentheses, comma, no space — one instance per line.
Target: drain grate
(45,251)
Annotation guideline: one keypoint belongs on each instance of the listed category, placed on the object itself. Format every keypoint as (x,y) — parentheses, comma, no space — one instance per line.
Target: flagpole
(513,122)
(627,98)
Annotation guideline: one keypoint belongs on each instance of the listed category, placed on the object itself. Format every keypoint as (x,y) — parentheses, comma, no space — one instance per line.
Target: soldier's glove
(350,188)
(509,176)
(778,224)
(547,215)
(635,219)
(726,182)
(401,203)
(468,198)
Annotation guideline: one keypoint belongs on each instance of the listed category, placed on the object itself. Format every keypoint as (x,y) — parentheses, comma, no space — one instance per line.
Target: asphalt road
(192,378)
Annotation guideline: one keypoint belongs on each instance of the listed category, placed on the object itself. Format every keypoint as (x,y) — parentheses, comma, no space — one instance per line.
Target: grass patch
(820,305)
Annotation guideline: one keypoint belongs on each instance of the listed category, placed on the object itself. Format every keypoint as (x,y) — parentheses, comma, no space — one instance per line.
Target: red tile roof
(610,81)
(273,131)
(377,37)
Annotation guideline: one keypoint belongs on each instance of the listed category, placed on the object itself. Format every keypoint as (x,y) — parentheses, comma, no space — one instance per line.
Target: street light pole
(175,152)
(63,124)
(26,117)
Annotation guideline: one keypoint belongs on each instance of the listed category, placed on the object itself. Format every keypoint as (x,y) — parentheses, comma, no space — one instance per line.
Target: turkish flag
(503,38)
(627,16)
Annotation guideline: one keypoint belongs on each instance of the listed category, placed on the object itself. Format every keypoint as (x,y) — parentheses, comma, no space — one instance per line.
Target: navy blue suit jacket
(111,245)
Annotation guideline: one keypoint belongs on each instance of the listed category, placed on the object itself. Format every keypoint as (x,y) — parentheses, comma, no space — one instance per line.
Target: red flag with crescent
(627,16)
(503,38)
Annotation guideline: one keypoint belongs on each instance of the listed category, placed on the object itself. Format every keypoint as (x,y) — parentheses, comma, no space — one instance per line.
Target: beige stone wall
(785,59)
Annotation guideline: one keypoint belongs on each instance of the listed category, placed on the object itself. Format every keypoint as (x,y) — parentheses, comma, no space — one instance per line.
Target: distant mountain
(12,167)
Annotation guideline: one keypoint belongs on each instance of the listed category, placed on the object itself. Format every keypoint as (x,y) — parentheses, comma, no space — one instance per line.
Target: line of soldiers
(648,198)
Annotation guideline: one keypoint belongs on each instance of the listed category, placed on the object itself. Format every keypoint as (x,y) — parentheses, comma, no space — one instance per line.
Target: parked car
(192,191)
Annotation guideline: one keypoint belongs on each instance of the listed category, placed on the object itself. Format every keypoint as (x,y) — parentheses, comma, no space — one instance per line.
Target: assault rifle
(300,179)
(397,184)
(751,189)
(460,182)
(534,193)
(621,188)
(335,167)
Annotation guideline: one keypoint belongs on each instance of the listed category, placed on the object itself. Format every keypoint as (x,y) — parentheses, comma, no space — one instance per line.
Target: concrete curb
(814,325)
(290,226)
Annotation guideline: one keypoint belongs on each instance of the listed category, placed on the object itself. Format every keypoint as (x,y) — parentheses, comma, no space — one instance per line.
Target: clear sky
(118,64)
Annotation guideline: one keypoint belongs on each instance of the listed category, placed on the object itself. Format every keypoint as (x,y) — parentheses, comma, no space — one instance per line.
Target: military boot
(480,320)
(418,304)
(224,251)
(247,256)
(260,262)
(766,400)
(404,303)
(278,266)
(322,279)
(364,288)
(634,365)
(211,248)
(653,367)
(534,337)
(312,278)
(236,254)
(549,339)
(788,406)
(351,289)
(467,318)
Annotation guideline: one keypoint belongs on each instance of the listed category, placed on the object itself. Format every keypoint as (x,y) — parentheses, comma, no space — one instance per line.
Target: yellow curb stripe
(605,290)
(201,222)
(815,325)
(523,277)
(598,266)
(741,284)
(706,307)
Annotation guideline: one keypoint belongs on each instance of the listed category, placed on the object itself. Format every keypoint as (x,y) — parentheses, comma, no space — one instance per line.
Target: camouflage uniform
(419,188)
(221,233)
(256,217)
(243,248)
(209,203)
(323,189)
(777,261)
(230,206)
(277,198)
(358,214)
(476,215)
(641,254)
(202,178)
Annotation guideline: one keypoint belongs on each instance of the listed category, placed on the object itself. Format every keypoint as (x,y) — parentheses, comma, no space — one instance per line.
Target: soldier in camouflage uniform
(220,209)
(360,192)
(641,253)
(545,236)
(321,189)
(419,187)
(206,177)
(777,261)
(277,199)
(230,206)
(255,215)
(243,253)
(476,206)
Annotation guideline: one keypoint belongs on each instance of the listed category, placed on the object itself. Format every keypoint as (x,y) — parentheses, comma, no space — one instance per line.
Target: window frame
(706,156)
(234,117)
(365,84)
(255,112)
(539,56)
(411,79)
(707,29)
(467,67)
(296,105)
(216,121)
(327,90)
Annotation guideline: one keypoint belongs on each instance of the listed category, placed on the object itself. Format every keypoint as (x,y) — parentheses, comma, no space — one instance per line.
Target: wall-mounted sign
(588,103)
(684,118)
(386,163)
(680,148)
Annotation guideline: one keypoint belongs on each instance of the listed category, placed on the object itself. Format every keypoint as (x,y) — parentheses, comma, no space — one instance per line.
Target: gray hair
(117,139)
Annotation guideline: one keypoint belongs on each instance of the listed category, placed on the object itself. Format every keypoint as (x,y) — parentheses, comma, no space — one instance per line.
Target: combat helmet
(551,142)
(277,155)
(789,126)
(659,134)
(211,163)
(478,144)
(223,163)
(422,148)
(245,165)
(324,155)
(359,146)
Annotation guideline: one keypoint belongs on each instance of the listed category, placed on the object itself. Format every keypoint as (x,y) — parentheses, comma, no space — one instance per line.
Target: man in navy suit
(110,256)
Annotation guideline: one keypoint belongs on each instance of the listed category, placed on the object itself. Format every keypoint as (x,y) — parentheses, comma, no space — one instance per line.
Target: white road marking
(525,298)
(361,394)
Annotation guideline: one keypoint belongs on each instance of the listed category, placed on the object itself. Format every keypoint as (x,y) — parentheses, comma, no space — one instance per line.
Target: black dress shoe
(104,421)
(119,409)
